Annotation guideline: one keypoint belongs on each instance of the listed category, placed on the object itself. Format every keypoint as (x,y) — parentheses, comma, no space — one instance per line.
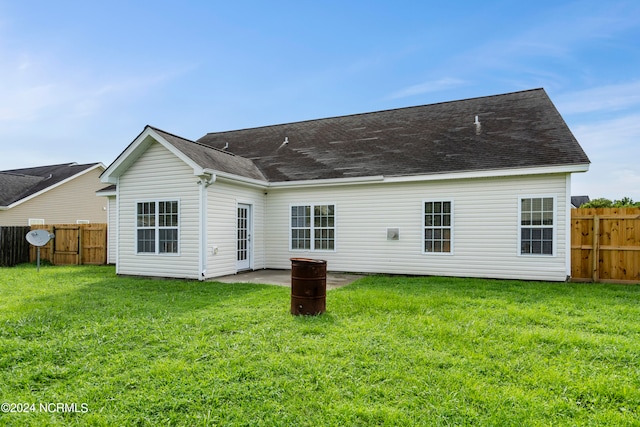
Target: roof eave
(492,173)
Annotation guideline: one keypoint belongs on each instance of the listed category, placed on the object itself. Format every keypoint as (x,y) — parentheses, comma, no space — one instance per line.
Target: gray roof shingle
(515,130)
(212,158)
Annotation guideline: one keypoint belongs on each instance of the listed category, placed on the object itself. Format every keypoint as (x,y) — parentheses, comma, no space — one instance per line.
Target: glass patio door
(243,247)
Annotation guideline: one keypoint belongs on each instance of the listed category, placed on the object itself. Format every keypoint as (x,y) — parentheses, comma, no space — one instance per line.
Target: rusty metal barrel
(308,286)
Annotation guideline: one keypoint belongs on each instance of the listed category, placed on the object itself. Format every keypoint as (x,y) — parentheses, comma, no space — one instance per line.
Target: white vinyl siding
(159,175)
(223,199)
(485,224)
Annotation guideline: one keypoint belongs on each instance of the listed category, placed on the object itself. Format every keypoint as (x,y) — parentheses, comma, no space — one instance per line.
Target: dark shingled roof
(212,158)
(17,184)
(515,130)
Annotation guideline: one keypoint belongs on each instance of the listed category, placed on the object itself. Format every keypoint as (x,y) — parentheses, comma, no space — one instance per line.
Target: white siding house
(429,190)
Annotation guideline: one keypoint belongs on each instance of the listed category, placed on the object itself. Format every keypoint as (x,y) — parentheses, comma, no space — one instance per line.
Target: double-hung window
(438,226)
(537,225)
(313,227)
(157,227)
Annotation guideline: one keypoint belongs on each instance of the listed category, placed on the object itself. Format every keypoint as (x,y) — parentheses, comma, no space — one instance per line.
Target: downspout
(204,182)
(117,233)
(265,227)
(568,228)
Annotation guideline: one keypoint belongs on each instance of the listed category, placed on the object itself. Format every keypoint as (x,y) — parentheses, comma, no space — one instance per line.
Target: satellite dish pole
(39,238)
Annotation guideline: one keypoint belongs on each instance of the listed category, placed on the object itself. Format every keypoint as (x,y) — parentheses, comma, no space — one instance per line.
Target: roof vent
(477,123)
(226,145)
(285,142)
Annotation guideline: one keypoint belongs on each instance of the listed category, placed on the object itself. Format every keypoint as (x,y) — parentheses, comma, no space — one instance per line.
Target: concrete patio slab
(283,278)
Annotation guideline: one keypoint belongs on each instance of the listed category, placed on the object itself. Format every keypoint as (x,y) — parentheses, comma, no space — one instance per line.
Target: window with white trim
(313,227)
(438,226)
(157,227)
(537,225)
(36,221)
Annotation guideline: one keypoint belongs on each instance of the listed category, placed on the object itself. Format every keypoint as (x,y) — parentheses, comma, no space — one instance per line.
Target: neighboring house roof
(577,201)
(514,130)
(109,190)
(19,185)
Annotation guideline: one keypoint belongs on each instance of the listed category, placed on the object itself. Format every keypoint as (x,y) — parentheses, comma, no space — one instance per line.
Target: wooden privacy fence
(73,244)
(605,245)
(14,248)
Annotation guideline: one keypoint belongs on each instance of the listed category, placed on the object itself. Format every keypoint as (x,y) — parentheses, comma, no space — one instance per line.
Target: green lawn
(393,351)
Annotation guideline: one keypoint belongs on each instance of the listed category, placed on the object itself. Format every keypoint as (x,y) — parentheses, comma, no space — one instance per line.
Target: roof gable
(202,158)
(19,185)
(514,130)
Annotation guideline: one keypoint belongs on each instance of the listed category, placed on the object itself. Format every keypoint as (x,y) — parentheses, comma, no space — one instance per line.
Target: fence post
(52,248)
(80,228)
(596,248)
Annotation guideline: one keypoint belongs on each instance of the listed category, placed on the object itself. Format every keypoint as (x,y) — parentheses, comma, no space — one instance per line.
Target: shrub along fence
(14,248)
(74,244)
(605,245)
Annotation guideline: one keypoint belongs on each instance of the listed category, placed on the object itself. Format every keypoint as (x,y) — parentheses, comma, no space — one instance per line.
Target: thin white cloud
(613,146)
(33,88)
(560,36)
(603,98)
(604,181)
(428,87)
(607,135)
(24,103)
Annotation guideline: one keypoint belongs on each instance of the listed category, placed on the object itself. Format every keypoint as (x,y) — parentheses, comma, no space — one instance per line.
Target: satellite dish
(39,237)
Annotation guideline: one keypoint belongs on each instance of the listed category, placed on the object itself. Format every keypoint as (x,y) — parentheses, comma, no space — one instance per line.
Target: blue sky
(80,79)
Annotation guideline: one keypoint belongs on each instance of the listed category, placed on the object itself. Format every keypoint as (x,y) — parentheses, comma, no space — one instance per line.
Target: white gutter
(567,226)
(429,177)
(490,173)
(330,182)
(229,177)
(117,242)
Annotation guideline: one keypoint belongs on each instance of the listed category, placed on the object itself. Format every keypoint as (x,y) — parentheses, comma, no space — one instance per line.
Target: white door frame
(244,237)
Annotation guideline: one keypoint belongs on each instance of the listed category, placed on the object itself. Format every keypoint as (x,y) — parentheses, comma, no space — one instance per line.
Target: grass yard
(85,347)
